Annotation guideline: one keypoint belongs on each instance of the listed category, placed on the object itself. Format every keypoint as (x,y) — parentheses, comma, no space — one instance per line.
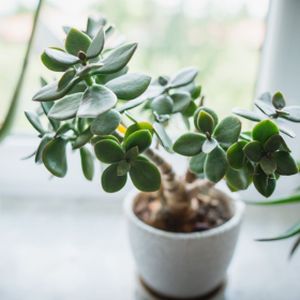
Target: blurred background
(222,39)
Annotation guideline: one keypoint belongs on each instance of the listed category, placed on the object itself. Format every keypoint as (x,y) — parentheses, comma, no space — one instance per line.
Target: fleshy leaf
(77,41)
(235,155)
(141,138)
(118,58)
(109,151)
(39,152)
(249,115)
(183,77)
(66,108)
(265,184)
(110,180)
(189,144)
(238,179)
(82,139)
(215,165)
(254,151)
(278,100)
(54,157)
(207,110)
(138,126)
(34,120)
(273,143)
(197,163)
(97,44)
(228,131)
(286,165)
(95,101)
(66,78)
(106,123)
(181,101)
(265,108)
(264,130)
(293,113)
(61,57)
(129,86)
(162,105)
(145,175)
(205,122)
(87,163)
(268,165)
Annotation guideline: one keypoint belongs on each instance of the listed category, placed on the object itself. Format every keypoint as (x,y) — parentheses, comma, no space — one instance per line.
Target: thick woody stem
(173,190)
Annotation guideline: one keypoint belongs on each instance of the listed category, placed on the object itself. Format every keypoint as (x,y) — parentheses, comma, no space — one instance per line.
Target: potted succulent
(182,229)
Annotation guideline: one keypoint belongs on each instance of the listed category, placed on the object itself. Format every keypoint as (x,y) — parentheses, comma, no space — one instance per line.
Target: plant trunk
(173,192)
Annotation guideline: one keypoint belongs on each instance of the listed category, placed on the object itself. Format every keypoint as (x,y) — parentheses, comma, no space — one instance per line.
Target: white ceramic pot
(183,265)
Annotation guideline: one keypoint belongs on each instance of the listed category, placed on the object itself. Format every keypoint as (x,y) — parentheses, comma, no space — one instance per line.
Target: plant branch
(173,190)
(12,110)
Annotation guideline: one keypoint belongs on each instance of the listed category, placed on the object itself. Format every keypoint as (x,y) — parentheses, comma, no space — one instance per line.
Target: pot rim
(238,212)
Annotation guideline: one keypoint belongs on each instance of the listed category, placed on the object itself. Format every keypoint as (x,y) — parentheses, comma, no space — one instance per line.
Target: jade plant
(102,110)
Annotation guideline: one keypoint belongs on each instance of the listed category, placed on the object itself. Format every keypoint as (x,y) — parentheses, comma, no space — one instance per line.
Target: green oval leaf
(141,138)
(106,123)
(109,151)
(96,100)
(207,110)
(278,100)
(53,65)
(181,101)
(162,105)
(34,120)
(129,86)
(238,179)
(286,165)
(268,165)
(265,108)
(274,143)
(97,44)
(82,139)
(66,108)
(249,115)
(264,130)
(189,144)
(54,157)
(138,126)
(235,155)
(77,41)
(265,184)
(145,175)
(118,58)
(183,77)
(293,113)
(87,163)
(39,152)
(110,180)
(228,131)
(254,151)
(197,163)
(215,165)
(61,57)
(205,122)
(66,78)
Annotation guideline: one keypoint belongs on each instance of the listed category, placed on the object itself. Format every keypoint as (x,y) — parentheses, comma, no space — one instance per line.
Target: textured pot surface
(183,265)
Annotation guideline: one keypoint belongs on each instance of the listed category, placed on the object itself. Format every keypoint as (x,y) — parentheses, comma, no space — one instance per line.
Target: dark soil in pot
(206,211)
